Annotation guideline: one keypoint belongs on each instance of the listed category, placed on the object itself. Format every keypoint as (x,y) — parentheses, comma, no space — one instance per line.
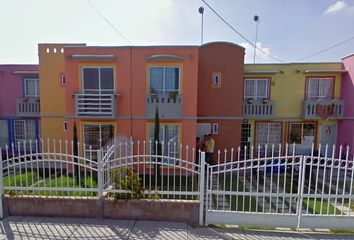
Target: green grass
(32,179)
(316,208)
(339,231)
(171,183)
(239,202)
(24,179)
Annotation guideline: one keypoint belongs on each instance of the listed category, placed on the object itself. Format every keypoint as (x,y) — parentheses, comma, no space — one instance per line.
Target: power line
(238,33)
(116,29)
(329,48)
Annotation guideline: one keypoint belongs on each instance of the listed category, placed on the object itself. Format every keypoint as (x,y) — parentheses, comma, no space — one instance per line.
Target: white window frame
(320,94)
(26,133)
(99,90)
(255,96)
(36,90)
(164,90)
(302,137)
(267,142)
(174,149)
(216,79)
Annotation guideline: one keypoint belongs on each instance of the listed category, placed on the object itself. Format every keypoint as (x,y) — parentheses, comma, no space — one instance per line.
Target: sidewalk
(65,228)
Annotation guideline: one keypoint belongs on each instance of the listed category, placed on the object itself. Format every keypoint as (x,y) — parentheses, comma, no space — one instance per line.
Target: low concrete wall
(157,210)
(142,209)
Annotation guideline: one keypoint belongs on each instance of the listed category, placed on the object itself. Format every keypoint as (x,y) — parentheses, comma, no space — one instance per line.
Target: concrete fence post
(99,174)
(201,188)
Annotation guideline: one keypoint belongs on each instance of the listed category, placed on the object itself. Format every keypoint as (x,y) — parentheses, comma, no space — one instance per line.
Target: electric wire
(240,34)
(326,49)
(111,24)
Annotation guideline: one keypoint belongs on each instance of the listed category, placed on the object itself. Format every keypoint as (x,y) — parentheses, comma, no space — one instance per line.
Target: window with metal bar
(96,136)
(169,136)
(24,130)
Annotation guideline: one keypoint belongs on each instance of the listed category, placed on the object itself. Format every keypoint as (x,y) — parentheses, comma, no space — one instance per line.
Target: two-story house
(292,103)
(115,91)
(19,106)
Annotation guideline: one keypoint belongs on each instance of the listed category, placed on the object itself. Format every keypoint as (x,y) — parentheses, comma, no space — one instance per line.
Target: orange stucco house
(114,92)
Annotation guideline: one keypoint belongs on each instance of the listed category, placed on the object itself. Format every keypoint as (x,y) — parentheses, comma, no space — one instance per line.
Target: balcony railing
(28,107)
(258,109)
(95,105)
(323,109)
(169,105)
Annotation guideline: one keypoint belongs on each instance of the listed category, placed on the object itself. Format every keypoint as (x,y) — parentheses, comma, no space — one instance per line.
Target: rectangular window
(98,80)
(63,79)
(268,133)
(256,88)
(245,140)
(303,135)
(4,133)
(169,135)
(216,79)
(25,130)
(215,128)
(164,79)
(96,136)
(65,126)
(31,87)
(319,88)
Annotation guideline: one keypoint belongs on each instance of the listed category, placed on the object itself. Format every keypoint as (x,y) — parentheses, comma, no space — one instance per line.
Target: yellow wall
(288,86)
(52,94)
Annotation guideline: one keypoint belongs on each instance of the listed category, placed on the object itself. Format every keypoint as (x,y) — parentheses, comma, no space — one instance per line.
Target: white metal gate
(278,188)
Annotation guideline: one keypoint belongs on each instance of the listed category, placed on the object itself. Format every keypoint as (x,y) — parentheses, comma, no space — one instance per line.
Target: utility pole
(256,19)
(201,11)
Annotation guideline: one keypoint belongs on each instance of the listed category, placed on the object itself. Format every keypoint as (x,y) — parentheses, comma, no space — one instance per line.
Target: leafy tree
(157,149)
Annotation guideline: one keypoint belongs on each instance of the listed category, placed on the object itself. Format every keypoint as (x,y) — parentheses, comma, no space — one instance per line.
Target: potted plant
(173,95)
(249,100)
(264,100)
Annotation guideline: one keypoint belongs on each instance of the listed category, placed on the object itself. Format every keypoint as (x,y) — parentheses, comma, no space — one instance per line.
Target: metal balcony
(169,105)
(258,109)
(28,107)
(323,109)
(95,105)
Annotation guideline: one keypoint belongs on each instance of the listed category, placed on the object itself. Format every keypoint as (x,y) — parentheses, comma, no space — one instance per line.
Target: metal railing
(170,105)
(95,105)
(258,109)
(122,170)
(326,109)
(272,186)
(28,107)
(281,189)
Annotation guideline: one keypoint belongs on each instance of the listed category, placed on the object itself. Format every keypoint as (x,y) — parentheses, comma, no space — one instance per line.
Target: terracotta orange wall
(132,84)
(228,59)
(221,105)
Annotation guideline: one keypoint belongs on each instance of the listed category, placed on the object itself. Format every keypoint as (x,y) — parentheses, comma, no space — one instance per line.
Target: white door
(203,129)
(328,134)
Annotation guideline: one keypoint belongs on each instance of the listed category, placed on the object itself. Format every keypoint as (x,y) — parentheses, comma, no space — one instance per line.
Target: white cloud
(337,6)
(260,56)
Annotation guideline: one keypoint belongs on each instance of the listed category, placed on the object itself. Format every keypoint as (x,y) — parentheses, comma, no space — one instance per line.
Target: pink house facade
(346,126)
(19,104)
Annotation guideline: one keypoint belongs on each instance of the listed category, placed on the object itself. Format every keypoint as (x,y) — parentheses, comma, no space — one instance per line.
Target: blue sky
(289,30)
